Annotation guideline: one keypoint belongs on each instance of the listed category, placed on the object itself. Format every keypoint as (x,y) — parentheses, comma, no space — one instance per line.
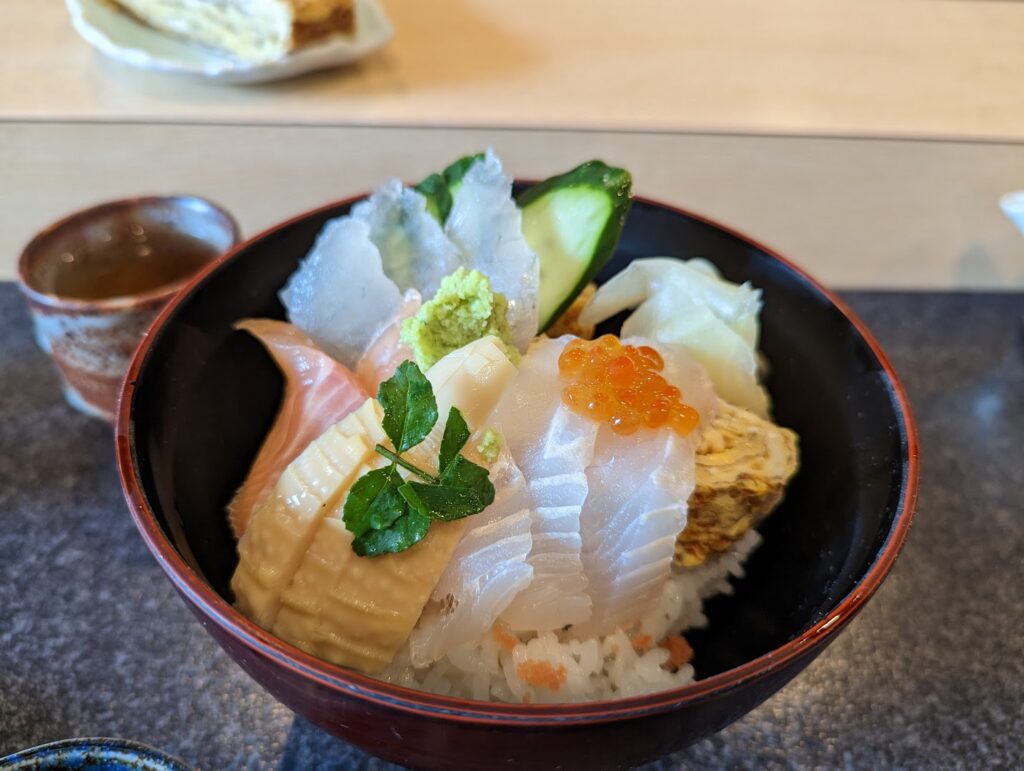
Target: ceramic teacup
(95,281)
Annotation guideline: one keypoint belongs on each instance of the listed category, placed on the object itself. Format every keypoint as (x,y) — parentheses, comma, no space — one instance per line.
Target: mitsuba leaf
(408,529)
(371,501)
(456,434)
(410,409)
(463,489)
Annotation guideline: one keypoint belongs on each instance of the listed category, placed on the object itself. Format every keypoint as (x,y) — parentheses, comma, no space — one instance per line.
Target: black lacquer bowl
(199,398)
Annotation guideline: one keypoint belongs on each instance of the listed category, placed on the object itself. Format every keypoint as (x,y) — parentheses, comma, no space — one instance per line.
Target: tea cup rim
(30,254)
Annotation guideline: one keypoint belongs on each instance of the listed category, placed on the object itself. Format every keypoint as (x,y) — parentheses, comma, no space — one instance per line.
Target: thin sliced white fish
(383,355)
(339,295)
(415,252)
(486,225)
(638,487)
(553,446)
(487,570)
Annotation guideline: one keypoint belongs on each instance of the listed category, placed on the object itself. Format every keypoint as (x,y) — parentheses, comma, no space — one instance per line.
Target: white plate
(124,38)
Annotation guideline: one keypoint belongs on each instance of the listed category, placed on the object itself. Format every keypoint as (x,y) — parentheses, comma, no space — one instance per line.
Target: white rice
(595,668)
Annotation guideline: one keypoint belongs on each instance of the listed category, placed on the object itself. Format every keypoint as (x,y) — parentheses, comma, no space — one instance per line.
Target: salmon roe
(620,385)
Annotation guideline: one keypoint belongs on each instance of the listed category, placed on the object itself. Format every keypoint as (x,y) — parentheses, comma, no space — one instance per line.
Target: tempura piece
(569,322)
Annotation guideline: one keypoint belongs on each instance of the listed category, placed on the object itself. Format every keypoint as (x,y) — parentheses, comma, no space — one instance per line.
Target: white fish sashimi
(386,351)
(415,252)
(487,570)
(552,446)
(486,225)
(634,512)
(687,303)
(339,295)
(638,487)
(683,371)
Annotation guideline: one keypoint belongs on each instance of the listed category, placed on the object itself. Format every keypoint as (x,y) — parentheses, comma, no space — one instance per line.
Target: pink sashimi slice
(383,355)
(318,392)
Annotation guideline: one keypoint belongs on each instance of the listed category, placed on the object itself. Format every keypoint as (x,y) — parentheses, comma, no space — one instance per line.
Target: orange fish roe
(542,674)
(641,642)
(679,651)
(619,385)
(504,638)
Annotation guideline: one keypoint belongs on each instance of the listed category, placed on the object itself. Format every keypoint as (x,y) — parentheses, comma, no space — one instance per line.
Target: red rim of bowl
(350,683)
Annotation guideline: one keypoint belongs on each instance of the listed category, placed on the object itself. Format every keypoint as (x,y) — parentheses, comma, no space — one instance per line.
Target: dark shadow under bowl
(199,398)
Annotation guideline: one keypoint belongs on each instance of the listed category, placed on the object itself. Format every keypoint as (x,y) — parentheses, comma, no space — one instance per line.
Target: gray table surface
(94,641)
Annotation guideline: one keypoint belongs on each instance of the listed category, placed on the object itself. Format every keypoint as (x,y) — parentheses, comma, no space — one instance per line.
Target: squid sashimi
(688,303)
(553,447)
(636,507)
(318,392)
(386,351)
(282,582)
(487,570)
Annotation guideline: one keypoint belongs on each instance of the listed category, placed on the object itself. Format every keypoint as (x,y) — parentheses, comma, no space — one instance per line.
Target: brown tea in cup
(96,280)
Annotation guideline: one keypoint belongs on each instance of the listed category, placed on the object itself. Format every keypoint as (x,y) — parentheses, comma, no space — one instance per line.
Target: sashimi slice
(486,225)
(347,609)
(318,392)
(552,446)
(339,295)
(383,355)
(415,252)
(636,507)
(281,530)
(487,570)
(358,611)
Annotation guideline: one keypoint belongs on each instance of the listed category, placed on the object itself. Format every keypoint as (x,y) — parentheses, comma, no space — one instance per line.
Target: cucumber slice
(573,223)
(439,200)
(453,174)
(440,189)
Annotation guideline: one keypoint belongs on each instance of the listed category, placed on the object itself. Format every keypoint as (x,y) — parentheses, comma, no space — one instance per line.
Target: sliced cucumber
(573,223)
(440,189)
(453,174)
(439,200)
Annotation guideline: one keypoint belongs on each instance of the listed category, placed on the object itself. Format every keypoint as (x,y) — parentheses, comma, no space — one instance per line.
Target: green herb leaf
(464,489)
(371,503)
(456,434)
(387,514)
(410,409)
(408,529)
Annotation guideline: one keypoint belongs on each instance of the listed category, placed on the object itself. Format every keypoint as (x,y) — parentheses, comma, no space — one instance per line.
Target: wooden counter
(870,140)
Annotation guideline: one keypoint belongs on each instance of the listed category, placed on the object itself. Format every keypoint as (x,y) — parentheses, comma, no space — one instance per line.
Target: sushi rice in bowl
(460,464)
